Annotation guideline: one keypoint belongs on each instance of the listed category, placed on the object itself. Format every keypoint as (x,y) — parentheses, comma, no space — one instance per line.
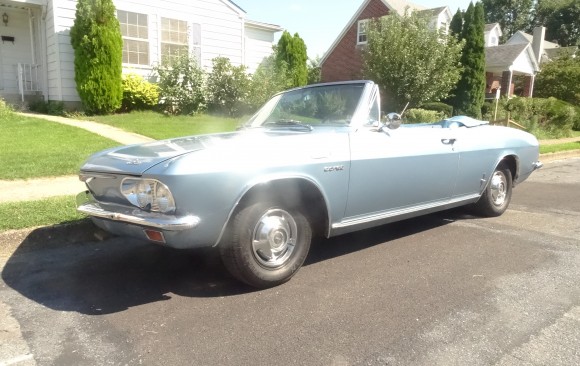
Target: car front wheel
(497,195)
(267,244)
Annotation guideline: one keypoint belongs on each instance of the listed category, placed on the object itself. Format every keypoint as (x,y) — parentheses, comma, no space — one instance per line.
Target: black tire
(283,237)
(497,195)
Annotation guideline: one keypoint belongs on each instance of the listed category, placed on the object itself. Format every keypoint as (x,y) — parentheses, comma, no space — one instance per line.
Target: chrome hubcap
(499,188)
(274,238)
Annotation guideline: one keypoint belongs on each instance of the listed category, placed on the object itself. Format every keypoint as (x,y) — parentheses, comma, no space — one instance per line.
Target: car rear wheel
(497,195)
(267,244)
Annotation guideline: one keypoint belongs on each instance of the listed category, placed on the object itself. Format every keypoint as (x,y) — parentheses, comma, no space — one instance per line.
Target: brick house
(510,68)
(343,59)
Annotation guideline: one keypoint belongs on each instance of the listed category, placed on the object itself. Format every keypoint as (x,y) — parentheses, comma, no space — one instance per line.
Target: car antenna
(404,109)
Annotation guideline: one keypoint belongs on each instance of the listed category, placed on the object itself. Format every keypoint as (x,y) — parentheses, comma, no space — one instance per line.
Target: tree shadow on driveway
(70,271)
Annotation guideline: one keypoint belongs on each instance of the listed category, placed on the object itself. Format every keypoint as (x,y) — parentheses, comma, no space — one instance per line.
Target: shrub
(417,115)
(98,47)
(268,80)
(181,85)
(228,87)
(446,109)
(549,116)
(487,110)
(52,107)
(138,94)
(559,79)
(6,110)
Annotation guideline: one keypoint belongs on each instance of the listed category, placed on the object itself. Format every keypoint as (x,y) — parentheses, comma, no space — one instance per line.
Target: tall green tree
(98,47)
(291,53)
(561,19)
(470,91)
(456,25)
(411,62)
(512,15)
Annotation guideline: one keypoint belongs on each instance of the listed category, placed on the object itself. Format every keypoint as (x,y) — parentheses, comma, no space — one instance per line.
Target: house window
(362,31)
(444,28)
(135,32)
(494,41)
(174,40)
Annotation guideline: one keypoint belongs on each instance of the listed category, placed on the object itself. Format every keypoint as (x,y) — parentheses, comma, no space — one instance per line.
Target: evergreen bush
(98,48)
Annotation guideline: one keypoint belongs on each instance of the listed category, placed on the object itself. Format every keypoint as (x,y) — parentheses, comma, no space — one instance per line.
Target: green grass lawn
(33,148)
(50,211)
(160,126)
(560,147)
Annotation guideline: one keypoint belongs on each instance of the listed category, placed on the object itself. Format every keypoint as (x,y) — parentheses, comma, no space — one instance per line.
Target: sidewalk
(34,189)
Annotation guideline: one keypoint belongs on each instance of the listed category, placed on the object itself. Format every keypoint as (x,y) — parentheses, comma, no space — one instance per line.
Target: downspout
(243,41)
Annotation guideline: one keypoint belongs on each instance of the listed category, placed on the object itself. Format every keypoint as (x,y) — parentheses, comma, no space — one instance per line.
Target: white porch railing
(28,78)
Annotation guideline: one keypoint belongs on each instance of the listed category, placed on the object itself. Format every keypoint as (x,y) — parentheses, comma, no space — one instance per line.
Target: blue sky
(318,22)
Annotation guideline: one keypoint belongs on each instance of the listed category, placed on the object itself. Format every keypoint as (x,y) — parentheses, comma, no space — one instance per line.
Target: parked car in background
(315,159)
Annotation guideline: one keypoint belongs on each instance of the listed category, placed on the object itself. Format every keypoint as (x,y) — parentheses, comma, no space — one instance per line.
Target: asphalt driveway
(445,289)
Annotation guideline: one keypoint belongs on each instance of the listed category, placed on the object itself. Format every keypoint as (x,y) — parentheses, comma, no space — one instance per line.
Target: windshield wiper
(290,123)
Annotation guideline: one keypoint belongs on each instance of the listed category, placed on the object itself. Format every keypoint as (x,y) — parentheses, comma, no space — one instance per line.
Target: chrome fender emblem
(335,168)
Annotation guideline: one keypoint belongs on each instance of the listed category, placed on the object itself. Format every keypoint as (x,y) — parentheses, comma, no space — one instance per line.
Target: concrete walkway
(34,189)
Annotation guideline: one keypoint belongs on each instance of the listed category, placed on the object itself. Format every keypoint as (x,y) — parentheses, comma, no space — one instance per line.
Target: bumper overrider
(87,204)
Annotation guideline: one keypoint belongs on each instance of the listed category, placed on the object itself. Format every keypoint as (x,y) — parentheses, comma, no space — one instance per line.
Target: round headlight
(144,194)
(148,194)
(164,199)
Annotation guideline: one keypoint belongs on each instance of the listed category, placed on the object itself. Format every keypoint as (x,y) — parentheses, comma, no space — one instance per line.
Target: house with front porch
(37,59)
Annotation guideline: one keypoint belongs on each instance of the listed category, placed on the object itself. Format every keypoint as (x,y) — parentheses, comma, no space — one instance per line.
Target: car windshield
(311,106)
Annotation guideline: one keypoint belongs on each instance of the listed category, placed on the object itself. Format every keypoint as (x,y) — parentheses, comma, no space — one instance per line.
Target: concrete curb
(550,157)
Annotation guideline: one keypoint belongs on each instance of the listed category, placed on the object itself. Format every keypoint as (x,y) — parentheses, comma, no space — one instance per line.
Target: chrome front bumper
(89,206)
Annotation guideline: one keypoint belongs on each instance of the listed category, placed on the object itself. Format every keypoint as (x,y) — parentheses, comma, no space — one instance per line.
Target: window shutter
(196,34)
(196,41)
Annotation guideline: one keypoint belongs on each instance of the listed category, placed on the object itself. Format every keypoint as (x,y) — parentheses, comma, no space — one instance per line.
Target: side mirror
(393,121)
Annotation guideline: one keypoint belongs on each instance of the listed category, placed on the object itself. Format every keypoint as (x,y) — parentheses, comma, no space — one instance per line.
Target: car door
(406,169)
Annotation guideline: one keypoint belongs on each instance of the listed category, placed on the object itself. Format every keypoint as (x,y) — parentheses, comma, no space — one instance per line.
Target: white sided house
(37,59)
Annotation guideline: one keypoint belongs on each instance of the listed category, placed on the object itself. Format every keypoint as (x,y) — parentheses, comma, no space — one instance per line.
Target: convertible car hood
(136,159)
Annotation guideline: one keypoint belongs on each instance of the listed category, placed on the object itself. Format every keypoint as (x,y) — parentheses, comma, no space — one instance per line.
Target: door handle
(448,141)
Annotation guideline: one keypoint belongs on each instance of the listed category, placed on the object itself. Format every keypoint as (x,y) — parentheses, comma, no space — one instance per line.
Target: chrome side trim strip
(88,206)
(401,212)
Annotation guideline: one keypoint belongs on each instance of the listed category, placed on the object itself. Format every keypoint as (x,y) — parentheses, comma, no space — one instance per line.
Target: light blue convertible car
(316,160)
